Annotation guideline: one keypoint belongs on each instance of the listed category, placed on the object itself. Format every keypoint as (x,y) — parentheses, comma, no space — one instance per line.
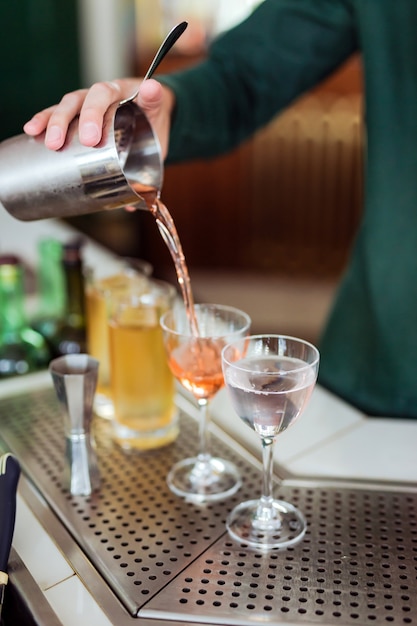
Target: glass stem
(265,510)
(203,451)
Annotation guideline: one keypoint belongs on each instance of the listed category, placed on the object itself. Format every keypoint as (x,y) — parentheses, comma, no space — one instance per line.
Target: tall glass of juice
(101,293)
(142,385)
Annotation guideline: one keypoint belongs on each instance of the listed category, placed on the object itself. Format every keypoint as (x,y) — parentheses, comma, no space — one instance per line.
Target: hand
(156,100)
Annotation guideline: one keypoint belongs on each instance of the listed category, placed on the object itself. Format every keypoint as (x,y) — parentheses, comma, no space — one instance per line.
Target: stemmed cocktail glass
(196,363)
(270,379)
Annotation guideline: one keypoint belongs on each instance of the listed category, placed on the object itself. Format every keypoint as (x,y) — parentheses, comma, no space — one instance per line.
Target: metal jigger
(75,380)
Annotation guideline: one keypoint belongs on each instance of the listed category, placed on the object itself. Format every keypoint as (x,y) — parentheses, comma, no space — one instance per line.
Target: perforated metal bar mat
(170,560)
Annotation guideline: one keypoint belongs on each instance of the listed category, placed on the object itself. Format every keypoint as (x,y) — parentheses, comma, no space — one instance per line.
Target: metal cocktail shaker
(125,168)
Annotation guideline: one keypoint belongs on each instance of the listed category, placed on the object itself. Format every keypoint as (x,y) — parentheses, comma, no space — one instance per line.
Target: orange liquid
(197,365)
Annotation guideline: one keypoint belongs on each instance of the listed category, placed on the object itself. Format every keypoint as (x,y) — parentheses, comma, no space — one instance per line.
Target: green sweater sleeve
(256,69)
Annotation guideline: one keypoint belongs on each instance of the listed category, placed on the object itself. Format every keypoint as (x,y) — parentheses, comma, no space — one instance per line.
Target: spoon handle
(165,47)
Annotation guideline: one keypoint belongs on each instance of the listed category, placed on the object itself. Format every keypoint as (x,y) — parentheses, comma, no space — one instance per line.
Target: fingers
(56,119)
(97,101)
(90,104)
(39,121)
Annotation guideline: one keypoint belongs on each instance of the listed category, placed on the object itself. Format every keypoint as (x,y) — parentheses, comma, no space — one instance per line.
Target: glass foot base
(266,528)
(142,440)
(204,480)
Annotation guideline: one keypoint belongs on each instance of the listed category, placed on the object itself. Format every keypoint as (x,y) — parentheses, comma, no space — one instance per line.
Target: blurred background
(267,227)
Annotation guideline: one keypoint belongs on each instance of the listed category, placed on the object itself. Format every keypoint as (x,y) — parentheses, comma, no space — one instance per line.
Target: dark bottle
(70,337)
(22,349)
(50,288)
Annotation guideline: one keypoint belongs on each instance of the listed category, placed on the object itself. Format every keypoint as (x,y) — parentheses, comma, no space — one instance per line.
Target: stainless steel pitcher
(125,169)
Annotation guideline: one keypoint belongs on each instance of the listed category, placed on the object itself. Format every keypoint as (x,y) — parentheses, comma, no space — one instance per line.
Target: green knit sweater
(369,347)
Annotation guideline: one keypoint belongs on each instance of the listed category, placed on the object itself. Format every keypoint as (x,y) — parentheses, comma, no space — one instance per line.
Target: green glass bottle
(70,337)
(50,289)
(22,349)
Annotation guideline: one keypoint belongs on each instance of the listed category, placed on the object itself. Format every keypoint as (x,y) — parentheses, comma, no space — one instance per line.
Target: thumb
(157,103)
(150,97)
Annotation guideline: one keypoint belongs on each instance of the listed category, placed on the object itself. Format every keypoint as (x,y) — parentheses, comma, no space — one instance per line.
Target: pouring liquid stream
(169,234)
(204,356)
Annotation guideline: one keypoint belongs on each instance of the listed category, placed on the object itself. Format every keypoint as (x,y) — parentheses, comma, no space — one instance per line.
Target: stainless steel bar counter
(135,553)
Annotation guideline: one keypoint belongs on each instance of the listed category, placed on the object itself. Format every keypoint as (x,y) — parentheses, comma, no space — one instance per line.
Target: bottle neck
(74,280)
